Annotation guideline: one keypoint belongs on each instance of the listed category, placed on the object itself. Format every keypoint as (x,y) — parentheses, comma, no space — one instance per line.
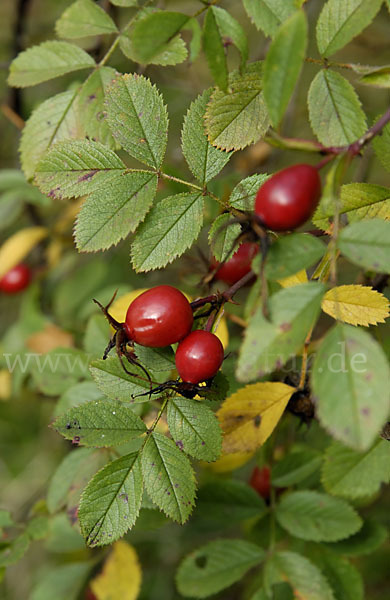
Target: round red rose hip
(199,356)
(16,279)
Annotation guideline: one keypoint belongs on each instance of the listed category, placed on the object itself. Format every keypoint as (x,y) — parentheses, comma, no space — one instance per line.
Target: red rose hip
(288,198)
(260,481)
(238,265)
(16,279)
(199,356)
(159,317)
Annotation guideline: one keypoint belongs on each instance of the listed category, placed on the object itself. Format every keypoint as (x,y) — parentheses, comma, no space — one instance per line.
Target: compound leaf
(152,34)
(267,15)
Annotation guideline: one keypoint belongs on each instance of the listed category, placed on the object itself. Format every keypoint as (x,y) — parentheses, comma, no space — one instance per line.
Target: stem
(304,360)
(219,299)
(326,63)
(177,180)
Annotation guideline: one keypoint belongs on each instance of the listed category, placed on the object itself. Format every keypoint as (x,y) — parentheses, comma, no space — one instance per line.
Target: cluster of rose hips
(163,316)
(283,203)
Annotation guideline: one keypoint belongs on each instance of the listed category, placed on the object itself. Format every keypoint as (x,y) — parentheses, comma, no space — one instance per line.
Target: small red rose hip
(16,279)
(238,265)
(159,317)
(199,356)
(260,481)
(288,198)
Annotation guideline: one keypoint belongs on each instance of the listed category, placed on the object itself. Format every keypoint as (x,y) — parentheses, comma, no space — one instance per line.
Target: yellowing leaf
(356,304)
(296,279)
(228,462)
(249,416)
(16,248)
(5,384)
(49,338)
(121,575)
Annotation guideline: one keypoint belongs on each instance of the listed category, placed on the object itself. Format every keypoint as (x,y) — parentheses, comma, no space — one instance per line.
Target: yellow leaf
(5,384)
(50,338)
(249,416)
(121,575)
(356,304)
(228,462)
(296,279)
(16,248)
(120,305)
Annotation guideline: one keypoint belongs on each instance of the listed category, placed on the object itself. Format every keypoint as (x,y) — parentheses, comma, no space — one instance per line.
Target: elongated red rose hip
(288,198)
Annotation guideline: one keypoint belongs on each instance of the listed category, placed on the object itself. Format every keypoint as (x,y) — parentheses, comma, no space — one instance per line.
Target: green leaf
(368,539)
(354,474)
(228,501)
(113,381)
(168,476)
(349,384)
(239,117)
(11,205)
(204,161)
(111,501)
(304,577)
(157,359)
(196,41)
(267,15)
(54,120)
(109,215)
(367,244)
(283,64)
(381,145)
(223,235)
(170,228)
(377,77)
(216,566)
(269,344)
(14,550)
(62,583)
(6,519)
(100,424)
(84,18)
(47,61)
(124,2)
(151,35)
(62,479)
(74,168)
(220,27)
(38,528)
(138,118)
(170,52)
(296,467)
(292,253)
(91,106)
(195,428)
(59,369)
(244,194)
(310,515)
(335,112)
(339,22)
(218,390)
(344,578)
(358,201)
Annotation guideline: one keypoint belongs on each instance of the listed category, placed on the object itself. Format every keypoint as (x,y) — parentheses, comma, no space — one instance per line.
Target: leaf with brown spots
(249,416)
